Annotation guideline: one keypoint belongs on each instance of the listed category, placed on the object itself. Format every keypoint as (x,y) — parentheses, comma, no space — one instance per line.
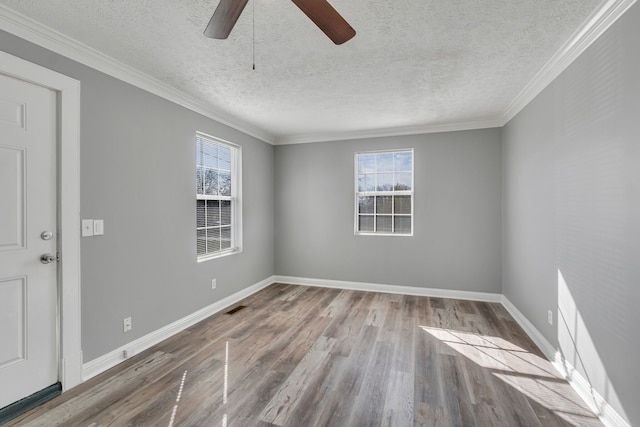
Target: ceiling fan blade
(224,18)
(327,19)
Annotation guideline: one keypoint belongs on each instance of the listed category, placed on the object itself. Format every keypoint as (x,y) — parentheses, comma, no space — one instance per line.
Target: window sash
(386,221)
(217,233)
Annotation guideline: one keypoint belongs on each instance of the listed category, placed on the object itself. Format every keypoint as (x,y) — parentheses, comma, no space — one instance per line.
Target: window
(384,192)
(218,187)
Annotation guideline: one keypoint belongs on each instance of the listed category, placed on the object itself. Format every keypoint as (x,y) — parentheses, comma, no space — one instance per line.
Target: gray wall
(457,236)
(571,190)
(137,172)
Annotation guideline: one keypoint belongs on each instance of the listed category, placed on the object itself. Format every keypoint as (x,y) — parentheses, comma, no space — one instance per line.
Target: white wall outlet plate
(213,283)
(87,227)
(126,324)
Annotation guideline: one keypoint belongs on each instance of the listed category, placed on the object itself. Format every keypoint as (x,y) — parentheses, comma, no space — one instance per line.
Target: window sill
(217,255)
(384,234)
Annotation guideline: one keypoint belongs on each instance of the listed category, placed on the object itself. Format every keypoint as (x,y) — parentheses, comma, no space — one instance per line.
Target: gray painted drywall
(137,173)
(457,235)
(571,191)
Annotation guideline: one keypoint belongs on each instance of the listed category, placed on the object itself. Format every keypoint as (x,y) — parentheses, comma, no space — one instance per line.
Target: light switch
(87,227)
(98,227)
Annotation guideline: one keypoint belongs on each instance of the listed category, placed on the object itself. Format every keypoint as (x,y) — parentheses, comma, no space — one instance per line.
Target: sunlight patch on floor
(175,407)
(493,352)
(531,375)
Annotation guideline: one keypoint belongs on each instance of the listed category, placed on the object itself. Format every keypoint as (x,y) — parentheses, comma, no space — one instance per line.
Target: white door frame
(68,174)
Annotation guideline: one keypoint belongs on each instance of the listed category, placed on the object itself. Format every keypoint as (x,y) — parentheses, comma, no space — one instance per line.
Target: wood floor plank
(377,309)
(349,331)
(314,395)
(285,400)
(456,395)
(369,405)
(399,403)
(303,356)
(349,379)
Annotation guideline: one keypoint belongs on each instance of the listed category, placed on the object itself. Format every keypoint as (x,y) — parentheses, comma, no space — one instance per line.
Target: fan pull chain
(253,31)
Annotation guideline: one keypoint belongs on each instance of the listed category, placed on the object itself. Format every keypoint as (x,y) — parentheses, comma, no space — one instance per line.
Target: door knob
(48,258)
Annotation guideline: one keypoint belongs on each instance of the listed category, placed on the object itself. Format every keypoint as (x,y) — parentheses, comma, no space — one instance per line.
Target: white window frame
(235,198)
(359,194)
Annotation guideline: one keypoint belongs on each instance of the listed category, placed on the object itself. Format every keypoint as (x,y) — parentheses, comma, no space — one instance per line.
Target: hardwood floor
(303,356)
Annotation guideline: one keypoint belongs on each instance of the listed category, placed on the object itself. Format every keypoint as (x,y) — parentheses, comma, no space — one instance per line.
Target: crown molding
(35,32)
(384,132)
(48,38)
(581,39)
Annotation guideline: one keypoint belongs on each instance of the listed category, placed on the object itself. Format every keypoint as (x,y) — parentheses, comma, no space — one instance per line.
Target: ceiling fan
(319,11)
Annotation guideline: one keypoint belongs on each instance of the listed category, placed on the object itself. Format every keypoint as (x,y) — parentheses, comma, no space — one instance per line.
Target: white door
(28,287)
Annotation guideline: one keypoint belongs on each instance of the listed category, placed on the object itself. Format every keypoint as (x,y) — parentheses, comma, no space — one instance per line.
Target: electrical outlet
(213,283)
(550,317)
(126,324)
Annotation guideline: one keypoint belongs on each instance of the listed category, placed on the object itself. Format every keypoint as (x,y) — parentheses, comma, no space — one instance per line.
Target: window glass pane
(366,182)
(402,204)
(365,204)
(384,182)
(402,161)
(198,152)
(381,175)
(365,223)
(225,237)
(213,213)
(199,180)
(213,239)
(224,180)
(224,158)
(200,213)
(210,154)
(366,163)
(202,242)
(402,224)
(383,204)
(211,182)
(384,162)
(383,224)
(403,181)
(225,209)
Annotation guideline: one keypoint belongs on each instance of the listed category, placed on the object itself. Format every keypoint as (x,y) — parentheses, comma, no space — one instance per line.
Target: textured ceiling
(413,63)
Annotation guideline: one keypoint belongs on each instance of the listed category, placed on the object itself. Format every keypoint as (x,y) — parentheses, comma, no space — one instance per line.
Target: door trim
(68,165)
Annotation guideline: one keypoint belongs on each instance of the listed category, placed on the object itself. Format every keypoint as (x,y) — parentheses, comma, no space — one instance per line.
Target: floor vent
(236,309)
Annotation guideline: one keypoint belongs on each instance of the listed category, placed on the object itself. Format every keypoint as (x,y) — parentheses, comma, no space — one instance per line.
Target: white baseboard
(111,359)
(390,289)
(609,416)
(598,404)
(543,344)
